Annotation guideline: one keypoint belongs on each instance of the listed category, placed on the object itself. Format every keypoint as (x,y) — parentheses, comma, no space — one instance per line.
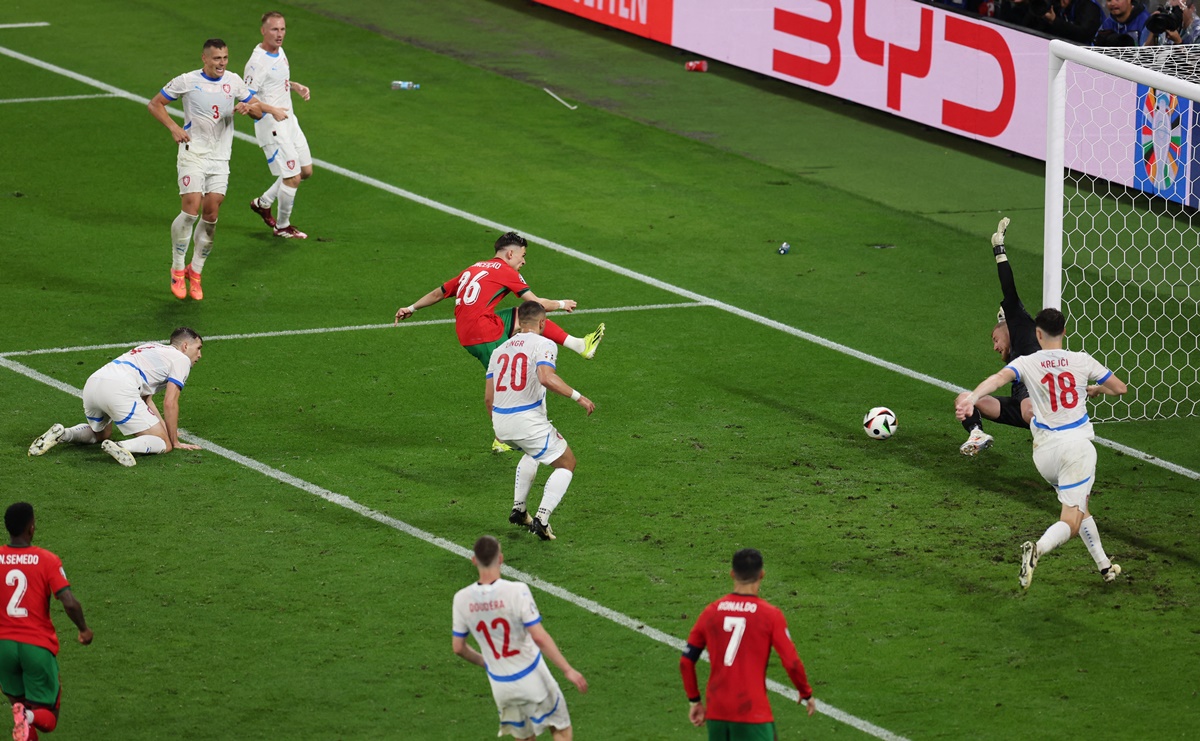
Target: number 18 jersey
(499,615)
(1057,381)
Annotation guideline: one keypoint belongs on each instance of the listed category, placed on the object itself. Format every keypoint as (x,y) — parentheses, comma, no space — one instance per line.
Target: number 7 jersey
(499,616)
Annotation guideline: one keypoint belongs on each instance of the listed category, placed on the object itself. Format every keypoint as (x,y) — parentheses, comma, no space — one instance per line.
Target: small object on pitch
(700,66)
(560,100)
(784,248)
(405,85)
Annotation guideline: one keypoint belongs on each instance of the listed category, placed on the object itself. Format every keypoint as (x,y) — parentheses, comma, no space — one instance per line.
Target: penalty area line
(566,595)
(58,97)
(38,24)
(610,266)
(329,330)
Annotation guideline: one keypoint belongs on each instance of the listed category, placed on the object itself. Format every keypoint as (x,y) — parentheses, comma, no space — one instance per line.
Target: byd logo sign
(900,62)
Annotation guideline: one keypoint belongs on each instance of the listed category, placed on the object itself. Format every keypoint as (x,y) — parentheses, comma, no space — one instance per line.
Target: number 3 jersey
(208,110)
(739,631)
(1057,381)
(31,576)
(499,615)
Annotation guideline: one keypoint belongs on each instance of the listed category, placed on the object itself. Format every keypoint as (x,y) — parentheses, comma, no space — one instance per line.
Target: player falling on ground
(121,393)
(518,376)
(268,74)
(1062,435)
(28,641)
(477,291)
(210,95)
(508,629)
(739,630)
(1012,337)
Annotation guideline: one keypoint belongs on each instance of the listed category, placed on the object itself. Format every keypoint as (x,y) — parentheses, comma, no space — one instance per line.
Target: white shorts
(284,145)
(110,395)
(532,433)
(533,719)
(1070,467)
(201,174)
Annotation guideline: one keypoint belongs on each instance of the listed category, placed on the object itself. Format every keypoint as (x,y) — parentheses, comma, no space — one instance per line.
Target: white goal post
(1122,232)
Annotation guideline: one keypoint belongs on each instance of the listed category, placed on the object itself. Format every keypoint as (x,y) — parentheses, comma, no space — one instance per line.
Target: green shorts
(726,730)
(483,351)
(29,671)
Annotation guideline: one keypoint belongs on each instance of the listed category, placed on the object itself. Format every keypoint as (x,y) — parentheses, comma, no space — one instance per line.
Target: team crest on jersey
(226,88)
(187,180)
(291,164)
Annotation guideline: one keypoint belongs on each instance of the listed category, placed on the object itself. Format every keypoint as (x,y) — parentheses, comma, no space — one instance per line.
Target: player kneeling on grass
(518,375)
(122,392)
(504,618)
(28,641)
(1062,435)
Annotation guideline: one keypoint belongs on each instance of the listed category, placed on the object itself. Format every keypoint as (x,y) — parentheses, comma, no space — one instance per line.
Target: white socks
(1055,535)
(181,235)
(144,445)
(80,435)
(268,197)
(204,244)
(526,472)
(574,343)
(287,199)
(1091,538)
(556,487)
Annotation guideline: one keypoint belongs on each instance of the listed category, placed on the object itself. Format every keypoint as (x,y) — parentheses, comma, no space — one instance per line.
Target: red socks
(555,333)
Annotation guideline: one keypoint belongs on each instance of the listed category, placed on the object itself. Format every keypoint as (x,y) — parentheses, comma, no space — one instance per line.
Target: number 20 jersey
(1057,381)
(499,615)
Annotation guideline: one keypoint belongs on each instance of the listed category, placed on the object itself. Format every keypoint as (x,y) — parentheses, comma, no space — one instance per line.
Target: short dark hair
(269,15)
(1051,322)
(17,518)
(486,550)
(215,44)
(185,334)
(747,564)
(530,312)
(510,239)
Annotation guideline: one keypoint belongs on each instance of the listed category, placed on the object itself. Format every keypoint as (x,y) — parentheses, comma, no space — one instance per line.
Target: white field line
(57,97)
(612,267)
(39,24)
(324,330)
(344,501)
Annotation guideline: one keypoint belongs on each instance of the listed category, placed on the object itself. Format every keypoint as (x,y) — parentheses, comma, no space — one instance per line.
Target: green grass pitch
(229,603)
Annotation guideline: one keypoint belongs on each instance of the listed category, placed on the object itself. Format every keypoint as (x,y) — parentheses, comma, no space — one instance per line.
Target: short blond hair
(269,15)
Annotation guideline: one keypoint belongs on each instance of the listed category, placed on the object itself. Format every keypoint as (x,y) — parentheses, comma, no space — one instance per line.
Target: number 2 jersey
(499,615)
(739,631)
(477,290)
(31,576)
(1057,381)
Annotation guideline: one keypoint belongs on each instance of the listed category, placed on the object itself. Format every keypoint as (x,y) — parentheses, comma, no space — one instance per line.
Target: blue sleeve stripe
(163,92)
(456,634)
(545,362)
(247,98)
(176,381)
(534,622)
(488,374)
(1104,378)
(1014,370)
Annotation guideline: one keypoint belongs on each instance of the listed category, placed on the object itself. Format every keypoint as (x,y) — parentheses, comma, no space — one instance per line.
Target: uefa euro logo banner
(1163,151)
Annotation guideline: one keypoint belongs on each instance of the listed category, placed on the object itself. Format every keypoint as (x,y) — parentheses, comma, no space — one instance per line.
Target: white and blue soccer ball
(880,423)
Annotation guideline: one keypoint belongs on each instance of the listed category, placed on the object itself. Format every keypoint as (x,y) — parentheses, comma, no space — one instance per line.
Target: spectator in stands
(1125,25)
(1178,23)
(1075,20)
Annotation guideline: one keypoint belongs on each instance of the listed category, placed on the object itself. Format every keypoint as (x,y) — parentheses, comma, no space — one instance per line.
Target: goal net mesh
(1130,254)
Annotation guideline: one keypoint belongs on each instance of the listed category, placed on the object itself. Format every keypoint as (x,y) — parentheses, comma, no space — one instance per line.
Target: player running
(28,641)
(1012,337)
(518,376)
(739,630)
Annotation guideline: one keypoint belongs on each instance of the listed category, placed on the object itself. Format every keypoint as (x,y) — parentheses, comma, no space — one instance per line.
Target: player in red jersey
(478,289)
(739,630)
(28,642)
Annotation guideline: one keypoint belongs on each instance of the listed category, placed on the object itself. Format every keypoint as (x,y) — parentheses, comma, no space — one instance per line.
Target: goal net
(1122,230)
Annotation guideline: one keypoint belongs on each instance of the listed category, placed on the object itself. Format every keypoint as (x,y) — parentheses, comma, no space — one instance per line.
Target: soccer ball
(880,423)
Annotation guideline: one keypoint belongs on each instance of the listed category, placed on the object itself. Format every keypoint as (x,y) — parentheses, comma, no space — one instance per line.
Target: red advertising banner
(649,18)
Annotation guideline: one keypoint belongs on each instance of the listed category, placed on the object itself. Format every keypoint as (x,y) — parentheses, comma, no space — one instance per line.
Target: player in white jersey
(513,648)
(518,375)
(122,393)
(268,74)
(1059,383)
(210,96)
